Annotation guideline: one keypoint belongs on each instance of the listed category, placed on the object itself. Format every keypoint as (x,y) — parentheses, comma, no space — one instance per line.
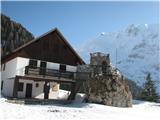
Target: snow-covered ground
(78,110)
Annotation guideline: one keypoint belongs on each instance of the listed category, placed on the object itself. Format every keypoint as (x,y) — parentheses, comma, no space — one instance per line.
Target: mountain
(13,35)
(134,51)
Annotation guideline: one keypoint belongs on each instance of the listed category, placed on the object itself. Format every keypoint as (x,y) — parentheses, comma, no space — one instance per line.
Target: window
(104,67)
(33,63)
(43,68)
(62,67)
(37,85)
(43,64)
(20,86)
(2,85)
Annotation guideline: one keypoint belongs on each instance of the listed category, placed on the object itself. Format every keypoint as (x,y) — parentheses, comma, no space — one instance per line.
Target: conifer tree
(149,91)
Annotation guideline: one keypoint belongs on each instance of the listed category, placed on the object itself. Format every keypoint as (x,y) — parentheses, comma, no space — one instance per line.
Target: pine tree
(149,91)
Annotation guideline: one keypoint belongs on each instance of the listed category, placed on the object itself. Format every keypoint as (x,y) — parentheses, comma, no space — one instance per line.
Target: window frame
(62,67)
(33,63)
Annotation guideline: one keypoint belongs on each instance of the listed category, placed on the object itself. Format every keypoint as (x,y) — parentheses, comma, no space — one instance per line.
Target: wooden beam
(46,79)
(15,88)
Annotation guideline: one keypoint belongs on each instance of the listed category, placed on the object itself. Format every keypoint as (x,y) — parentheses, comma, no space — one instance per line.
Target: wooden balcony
(45,72)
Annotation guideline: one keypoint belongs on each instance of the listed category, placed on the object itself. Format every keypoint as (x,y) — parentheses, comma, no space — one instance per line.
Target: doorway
(28,90)
(62,67)
(43,66)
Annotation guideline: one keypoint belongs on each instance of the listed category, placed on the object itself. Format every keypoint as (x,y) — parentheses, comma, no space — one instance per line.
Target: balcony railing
(32,70)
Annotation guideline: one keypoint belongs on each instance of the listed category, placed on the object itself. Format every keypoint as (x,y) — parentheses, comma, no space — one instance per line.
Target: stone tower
(100,63)
(99,58)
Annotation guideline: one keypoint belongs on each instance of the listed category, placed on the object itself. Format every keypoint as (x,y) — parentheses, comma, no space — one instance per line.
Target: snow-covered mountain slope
(134,51)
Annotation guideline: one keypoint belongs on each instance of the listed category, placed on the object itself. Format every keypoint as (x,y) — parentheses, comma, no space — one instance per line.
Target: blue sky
(80,21)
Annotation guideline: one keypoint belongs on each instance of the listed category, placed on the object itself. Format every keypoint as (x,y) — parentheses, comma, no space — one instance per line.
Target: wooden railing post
(73,91)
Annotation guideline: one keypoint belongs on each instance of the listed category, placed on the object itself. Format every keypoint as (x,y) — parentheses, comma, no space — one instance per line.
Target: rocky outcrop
(110,92)
(13,35)
(105,85)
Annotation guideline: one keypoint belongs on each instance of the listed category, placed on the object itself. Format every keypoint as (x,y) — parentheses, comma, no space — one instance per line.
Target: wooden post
(73,92)
(15,88)
(46,89)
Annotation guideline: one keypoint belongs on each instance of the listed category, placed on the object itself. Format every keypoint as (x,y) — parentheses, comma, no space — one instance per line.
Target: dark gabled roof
(38,38)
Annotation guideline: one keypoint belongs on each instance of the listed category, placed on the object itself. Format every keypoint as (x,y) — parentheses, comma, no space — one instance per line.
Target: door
(46,89)
(43,68)
(28,90)
(62,67)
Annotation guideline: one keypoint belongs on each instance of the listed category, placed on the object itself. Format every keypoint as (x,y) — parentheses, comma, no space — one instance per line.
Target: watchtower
(100,63)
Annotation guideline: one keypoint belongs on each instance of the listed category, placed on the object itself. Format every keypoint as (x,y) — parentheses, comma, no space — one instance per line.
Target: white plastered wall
(56,66)
(9,72)
(8,87)
(71,68)
(21,63)
(10,69)
(15,67)
(37,92)
(52,65)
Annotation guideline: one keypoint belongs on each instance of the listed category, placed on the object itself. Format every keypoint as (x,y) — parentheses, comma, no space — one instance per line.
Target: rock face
(105,85)
(13,35)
